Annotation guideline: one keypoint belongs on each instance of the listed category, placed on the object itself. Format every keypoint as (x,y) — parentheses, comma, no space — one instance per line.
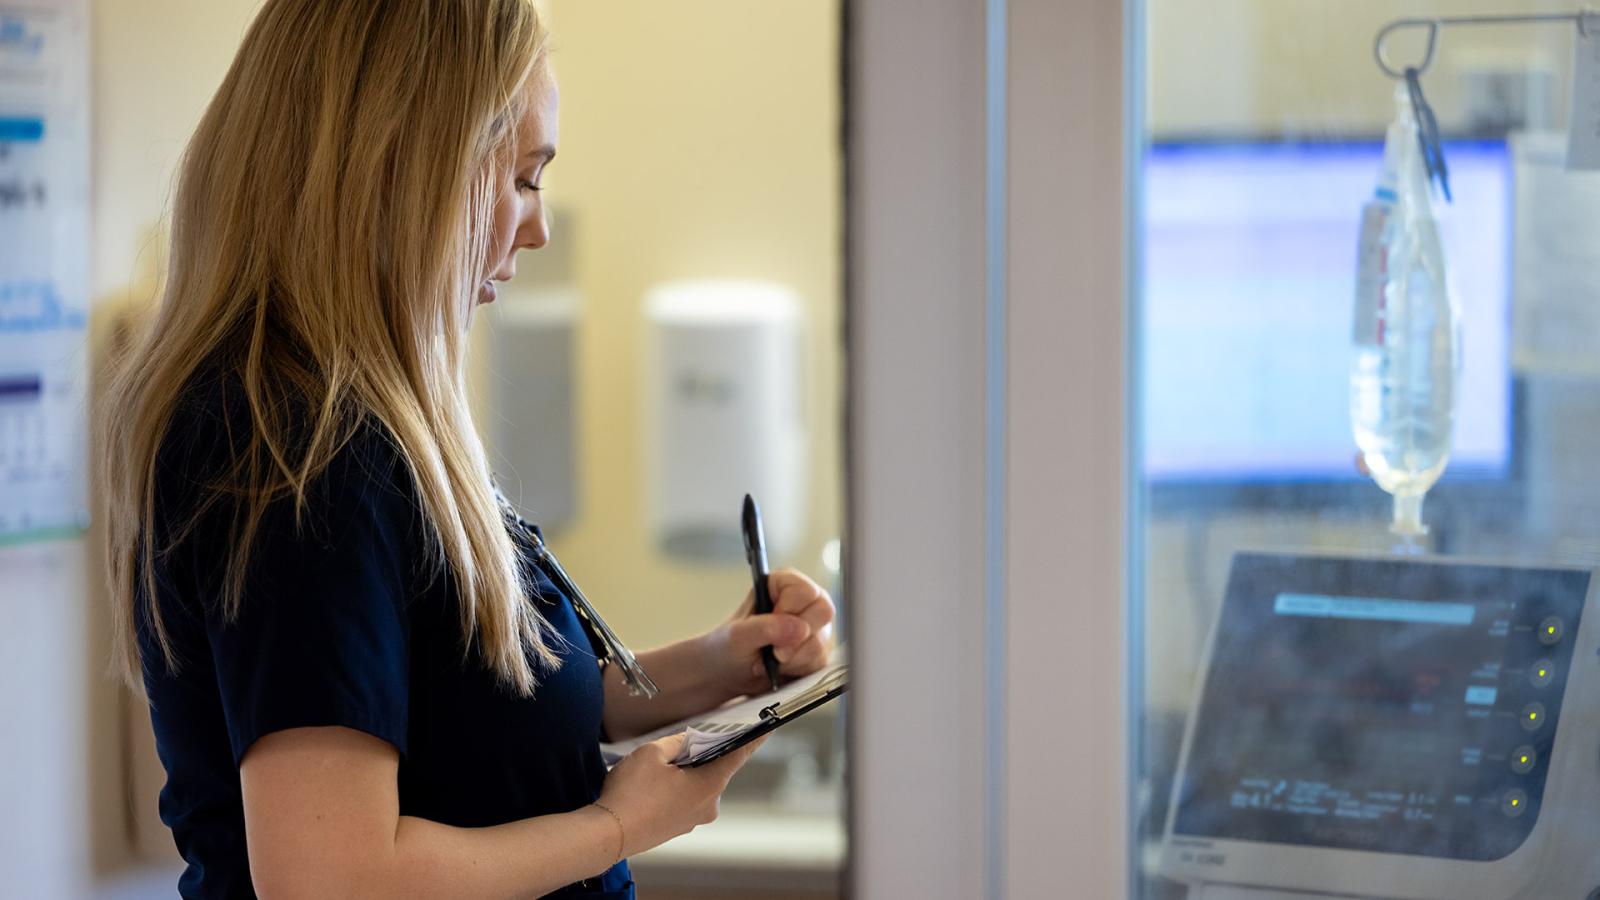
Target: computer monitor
(1249,253)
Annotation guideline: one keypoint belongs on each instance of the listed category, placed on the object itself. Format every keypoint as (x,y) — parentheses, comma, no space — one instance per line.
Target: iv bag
(1406,338)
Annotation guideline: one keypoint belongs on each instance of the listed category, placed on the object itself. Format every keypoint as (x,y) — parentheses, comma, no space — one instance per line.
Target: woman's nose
(535,231)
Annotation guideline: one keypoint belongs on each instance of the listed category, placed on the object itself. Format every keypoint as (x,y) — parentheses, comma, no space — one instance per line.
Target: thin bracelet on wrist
(621,833)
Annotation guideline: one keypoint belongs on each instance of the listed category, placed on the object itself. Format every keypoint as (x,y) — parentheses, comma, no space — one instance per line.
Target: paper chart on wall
(44,279)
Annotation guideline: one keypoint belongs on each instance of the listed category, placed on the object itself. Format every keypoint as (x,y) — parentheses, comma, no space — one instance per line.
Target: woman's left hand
(799,628)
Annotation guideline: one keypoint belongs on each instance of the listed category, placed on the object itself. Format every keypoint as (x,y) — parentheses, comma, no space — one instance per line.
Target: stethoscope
(616,652)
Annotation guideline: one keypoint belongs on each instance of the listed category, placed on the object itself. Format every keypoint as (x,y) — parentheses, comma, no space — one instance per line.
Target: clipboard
(779,714)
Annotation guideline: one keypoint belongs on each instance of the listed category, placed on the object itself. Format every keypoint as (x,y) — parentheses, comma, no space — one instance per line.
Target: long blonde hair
(328,237)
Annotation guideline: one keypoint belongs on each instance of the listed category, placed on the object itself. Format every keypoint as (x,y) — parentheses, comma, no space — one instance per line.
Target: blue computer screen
(1249,253)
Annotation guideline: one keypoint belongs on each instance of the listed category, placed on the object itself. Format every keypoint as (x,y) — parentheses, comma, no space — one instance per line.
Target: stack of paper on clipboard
(712,734)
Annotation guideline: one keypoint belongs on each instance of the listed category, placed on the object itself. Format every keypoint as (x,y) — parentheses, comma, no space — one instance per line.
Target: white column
(1065,511)
(915,326)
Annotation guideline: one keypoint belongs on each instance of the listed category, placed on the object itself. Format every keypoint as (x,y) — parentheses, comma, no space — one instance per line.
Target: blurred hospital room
(1188,413)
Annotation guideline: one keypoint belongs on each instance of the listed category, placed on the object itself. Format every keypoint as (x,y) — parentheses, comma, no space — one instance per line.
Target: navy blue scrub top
(343,622)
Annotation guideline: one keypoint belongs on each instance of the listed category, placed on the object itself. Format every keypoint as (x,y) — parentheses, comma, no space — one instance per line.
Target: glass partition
(1331,706)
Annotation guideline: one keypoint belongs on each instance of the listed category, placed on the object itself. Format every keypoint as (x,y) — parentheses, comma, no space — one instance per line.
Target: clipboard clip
(818,692)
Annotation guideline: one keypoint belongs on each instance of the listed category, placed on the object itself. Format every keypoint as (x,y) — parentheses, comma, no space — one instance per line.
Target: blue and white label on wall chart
(44,269)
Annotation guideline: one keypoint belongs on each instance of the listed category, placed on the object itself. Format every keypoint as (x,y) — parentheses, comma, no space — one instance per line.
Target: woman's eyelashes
(531,182)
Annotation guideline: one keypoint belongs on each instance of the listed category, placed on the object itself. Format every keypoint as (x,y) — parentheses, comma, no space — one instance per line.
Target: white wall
(45,845)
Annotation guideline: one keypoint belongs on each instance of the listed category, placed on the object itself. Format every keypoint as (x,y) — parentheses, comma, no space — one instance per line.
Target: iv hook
(1432,25)
(1581,18)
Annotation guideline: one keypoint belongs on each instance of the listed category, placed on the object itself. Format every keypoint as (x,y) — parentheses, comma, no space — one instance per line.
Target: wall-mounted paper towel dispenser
(724,411)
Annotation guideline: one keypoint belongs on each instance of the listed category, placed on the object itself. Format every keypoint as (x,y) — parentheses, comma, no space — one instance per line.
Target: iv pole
(1583,19)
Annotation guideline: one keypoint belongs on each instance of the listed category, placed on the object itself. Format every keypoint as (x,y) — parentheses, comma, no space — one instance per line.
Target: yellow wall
(156,64)
(698,140)
(1305,67)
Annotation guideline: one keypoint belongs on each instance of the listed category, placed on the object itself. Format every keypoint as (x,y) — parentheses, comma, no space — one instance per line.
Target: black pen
(755,552)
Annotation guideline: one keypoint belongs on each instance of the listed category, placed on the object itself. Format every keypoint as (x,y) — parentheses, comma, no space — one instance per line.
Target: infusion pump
(1392,728)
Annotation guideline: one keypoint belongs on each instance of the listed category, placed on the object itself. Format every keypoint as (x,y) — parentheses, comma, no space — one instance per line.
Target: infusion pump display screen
(1388,706)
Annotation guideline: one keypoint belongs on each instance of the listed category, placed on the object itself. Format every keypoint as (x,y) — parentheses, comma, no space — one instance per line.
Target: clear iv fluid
(1403,373)
(1402,397)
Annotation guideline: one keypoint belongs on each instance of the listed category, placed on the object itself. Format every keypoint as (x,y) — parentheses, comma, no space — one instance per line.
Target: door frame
(989,154)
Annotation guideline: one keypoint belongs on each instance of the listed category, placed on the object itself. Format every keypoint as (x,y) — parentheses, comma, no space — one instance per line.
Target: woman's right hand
(657,801)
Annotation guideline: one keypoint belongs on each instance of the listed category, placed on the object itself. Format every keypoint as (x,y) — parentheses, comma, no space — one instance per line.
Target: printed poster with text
(44,268)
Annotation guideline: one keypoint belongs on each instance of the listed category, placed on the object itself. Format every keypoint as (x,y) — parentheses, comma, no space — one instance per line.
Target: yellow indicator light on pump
(1532,717)
(1513,802)
(1523,759)
(1549,632)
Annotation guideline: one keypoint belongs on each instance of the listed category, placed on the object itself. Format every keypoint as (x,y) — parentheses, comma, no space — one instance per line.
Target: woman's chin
(487,292)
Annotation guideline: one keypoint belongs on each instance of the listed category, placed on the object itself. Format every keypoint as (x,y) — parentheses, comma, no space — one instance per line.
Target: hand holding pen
(796,631)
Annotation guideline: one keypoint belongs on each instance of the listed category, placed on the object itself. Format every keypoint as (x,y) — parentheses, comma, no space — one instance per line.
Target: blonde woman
(361,683)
